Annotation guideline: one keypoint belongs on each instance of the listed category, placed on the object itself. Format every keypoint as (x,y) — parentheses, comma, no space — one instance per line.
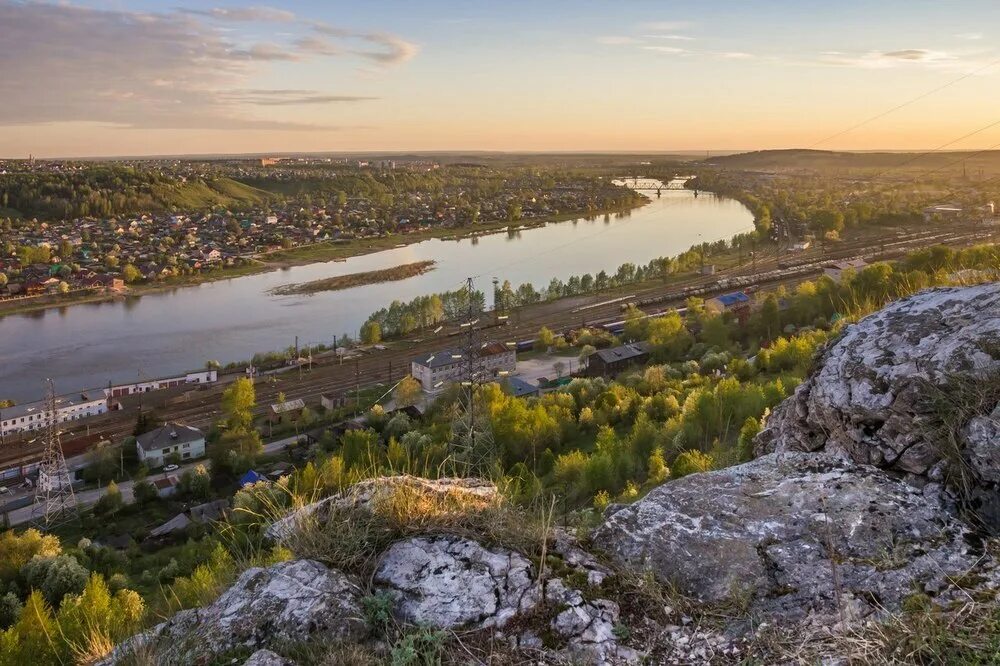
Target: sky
(168,77)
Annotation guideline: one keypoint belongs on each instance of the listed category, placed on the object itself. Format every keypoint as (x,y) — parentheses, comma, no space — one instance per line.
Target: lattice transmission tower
(473,447)
(55,501)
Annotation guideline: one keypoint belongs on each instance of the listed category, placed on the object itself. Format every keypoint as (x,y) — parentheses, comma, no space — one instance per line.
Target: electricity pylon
(54,490)
(472,438)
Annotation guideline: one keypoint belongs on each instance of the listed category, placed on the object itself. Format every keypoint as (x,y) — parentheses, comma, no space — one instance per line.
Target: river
(164,333)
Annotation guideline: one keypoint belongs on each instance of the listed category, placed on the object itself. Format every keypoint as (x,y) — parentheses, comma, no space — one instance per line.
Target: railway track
(333,376)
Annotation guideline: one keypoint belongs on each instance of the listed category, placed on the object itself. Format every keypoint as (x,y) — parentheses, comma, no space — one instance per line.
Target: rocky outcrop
(793,537)
(367,494)
(449,582)
(452,582)
(285,603)
(872,398)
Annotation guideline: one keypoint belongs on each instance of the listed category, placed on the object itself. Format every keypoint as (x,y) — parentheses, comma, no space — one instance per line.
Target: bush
(10,609)
(691,462)
(111,502)
(16,550)
(145,492)
(55,577)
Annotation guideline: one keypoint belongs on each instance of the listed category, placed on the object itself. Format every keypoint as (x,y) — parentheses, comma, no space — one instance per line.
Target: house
(835,270)
(329,402)
(166,485)
(943,212)
(250,478)
(800,246)
(607,362)
(154,446)
(178,523)
(286,412)
(737,303)
(519,388)
(210,511)
(435,370)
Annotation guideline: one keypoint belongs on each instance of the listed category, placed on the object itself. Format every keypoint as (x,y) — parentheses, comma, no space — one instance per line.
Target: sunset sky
(131,77)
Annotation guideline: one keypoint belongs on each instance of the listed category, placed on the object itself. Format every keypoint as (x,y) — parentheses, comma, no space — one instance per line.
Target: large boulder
(285,603)
(793,536)
(877,393)
(469,494)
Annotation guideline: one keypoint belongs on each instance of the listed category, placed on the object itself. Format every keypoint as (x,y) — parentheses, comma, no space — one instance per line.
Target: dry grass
(353,538)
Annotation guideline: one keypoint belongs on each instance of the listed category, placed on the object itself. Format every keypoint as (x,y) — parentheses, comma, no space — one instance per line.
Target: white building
(435,370)
(202,377)
(34,415)
(154,446)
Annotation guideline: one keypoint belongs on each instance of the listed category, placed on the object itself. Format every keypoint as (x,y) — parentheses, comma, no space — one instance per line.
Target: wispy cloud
(899,58)
(245,14)
(666,26)
(666,49)
(616,40)
(971,36)
(682,38)
(180,69)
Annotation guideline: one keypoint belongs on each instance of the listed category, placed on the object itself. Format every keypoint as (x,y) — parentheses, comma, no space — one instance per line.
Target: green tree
(238,403)
(371,333)
(111,502)
(131,274)
(408,392)
(144,492)
(55,576)
(545,339)
(691,462)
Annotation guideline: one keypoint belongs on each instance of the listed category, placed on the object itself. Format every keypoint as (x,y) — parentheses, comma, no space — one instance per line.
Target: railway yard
(337,376)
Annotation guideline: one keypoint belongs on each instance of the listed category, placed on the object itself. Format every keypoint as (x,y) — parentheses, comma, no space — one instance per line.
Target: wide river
(174,331)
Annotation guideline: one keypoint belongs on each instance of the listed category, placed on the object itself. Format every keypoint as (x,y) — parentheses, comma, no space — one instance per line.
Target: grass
(353,540)
(950,406)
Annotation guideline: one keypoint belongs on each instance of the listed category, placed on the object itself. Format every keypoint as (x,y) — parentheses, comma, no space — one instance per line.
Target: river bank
(300,256)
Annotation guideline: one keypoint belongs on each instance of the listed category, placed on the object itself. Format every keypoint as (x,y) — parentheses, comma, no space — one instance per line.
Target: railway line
(332,375)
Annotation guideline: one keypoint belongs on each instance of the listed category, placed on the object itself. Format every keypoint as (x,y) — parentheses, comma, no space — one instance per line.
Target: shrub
(691,462)
(55,577)
(16,550)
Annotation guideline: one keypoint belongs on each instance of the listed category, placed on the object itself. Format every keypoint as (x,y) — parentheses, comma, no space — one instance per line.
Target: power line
(905,104)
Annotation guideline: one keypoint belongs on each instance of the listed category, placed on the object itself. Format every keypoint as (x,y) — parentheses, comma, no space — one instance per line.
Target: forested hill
(822,160)
(114,190)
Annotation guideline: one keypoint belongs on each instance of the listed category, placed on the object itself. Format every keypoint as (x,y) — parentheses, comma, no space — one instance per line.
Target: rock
(287,602)
(566,546)
(792,536)
(267,658)
(450,582)
(365,495)
(587,626)
(982,454)
(868,398)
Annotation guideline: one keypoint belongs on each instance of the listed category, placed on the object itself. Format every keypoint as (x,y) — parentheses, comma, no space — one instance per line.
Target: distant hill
(200,194)
(824,160)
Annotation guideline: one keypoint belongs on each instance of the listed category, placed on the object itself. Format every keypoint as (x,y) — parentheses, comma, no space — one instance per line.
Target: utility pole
(55,485)
(472,439)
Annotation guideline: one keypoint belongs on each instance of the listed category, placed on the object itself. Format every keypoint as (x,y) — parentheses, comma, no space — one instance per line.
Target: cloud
(683,38)
(289,97)
(666,49)
(245,14)
(393,50)
(666,26)
(897,58)
(267,51)
(970,36)
(70,63)
(735,55)
(615,40)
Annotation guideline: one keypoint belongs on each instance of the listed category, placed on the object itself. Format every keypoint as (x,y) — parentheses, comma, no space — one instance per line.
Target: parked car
(170,468)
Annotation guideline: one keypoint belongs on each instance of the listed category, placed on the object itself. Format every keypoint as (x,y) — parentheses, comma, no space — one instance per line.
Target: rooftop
(170,434)
(623,353)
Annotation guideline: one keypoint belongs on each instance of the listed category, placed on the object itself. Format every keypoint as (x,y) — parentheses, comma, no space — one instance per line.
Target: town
(246,224)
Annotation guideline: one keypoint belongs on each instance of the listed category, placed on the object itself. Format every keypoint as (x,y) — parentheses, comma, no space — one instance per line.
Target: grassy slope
(197,195)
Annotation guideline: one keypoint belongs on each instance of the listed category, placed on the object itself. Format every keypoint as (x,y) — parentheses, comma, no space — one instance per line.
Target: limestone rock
(365,495)
(450,582)
(797,536)
(288,602)
(266,658)
(867,400)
